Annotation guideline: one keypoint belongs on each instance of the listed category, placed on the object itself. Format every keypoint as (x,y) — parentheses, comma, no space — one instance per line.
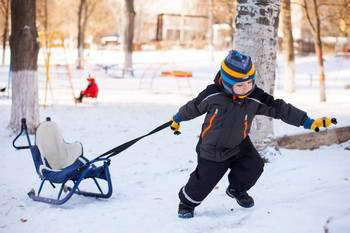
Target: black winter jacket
(228,120)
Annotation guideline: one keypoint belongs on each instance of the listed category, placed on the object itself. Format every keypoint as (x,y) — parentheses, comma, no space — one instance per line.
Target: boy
(231,104)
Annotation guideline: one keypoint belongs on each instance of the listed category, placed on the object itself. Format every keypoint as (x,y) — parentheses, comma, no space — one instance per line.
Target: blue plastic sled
(59,162)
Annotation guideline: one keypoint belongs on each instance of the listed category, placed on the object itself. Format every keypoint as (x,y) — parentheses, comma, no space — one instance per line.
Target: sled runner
(59,162)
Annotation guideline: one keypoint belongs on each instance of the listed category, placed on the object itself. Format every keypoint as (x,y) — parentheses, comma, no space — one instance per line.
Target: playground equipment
(51,43)
(344,57)
(172,71)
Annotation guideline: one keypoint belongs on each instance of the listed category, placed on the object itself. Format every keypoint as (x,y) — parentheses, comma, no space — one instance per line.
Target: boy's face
(243,87)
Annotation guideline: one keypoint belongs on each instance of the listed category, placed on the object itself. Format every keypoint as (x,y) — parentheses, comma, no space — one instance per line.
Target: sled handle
(23,128)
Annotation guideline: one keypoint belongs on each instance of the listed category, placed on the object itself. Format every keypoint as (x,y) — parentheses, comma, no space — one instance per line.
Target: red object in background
(92,90)
(177,74)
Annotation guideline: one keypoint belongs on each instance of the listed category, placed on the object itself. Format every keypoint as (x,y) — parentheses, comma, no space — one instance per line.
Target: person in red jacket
(91,91)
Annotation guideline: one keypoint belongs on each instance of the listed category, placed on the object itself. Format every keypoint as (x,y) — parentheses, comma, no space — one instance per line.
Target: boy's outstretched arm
(279,109)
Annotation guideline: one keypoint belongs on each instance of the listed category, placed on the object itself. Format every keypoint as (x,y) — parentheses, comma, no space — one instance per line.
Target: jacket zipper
(210,122)
(245,126)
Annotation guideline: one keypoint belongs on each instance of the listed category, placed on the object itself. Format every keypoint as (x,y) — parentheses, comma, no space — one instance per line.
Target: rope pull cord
(126,145)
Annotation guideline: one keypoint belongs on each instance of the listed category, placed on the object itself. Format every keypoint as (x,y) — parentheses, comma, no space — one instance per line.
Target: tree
(81,30)
(129,35)
(225,11)
(5,8)
(315,28)
(255,34)
(288,48)
(24,44)
(85,10)
(335,17)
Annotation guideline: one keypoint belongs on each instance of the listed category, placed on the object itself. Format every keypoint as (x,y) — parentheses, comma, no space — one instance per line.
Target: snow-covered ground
(299,191)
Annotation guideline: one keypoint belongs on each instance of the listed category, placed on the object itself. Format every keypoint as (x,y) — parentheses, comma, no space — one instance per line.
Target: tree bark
(129,36)
(288,47)
(24,44)
(256,35)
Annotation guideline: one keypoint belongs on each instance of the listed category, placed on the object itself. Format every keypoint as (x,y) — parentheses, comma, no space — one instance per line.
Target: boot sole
(187,215)
(239,203)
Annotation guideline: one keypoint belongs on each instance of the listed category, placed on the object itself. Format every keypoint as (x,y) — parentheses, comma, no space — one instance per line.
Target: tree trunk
(288,48)
(45,16)
(24,44)
(6,27)
(85,10)
(129,36)
(80,44)
(316,33)
(256,35)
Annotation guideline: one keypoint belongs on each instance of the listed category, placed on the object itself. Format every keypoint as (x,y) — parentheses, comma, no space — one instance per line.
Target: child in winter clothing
(91,91)
(231,104)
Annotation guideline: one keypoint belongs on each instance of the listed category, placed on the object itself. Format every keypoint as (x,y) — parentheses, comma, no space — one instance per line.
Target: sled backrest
(53,148)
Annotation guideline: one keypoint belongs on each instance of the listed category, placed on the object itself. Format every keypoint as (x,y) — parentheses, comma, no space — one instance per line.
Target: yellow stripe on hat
(234,73)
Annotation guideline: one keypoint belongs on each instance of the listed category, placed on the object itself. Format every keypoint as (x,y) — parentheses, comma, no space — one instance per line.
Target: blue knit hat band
(230,81)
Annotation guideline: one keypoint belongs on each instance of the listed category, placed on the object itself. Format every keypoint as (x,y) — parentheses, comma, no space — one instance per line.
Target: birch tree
(24,44)
(255,34)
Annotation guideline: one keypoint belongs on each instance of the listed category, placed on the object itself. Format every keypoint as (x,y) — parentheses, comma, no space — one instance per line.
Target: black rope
(126,145)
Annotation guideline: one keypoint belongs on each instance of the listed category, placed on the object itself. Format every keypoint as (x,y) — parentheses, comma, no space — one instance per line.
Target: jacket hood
(218,83)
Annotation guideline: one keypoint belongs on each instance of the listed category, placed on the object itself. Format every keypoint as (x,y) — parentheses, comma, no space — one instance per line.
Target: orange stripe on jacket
(210,122)
(245,126)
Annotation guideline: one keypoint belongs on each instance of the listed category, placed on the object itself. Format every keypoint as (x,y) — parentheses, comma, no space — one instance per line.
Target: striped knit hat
(236,68)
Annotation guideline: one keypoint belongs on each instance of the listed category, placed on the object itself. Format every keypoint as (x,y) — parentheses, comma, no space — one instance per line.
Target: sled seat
(59,162)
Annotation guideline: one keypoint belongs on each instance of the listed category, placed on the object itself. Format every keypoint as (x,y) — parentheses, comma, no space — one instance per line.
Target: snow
(299,191)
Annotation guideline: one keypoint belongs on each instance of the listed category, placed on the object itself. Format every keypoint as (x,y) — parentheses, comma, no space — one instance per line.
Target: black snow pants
(245,168)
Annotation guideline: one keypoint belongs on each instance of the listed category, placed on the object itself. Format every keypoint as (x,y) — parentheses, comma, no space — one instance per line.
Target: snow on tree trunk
(256,35)
(288,48)
(24,44)
(24,99)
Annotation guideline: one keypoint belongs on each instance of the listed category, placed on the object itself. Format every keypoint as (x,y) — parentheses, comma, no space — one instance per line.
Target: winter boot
(242,198)
(185,211)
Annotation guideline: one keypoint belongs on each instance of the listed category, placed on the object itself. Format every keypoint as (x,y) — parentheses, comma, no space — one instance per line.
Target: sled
(58,162)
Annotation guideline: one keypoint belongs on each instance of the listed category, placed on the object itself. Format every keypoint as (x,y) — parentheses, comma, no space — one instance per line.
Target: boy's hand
(175,124)
(319,122)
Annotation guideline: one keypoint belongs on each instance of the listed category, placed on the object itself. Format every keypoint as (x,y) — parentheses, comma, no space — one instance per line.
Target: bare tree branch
(307,15)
